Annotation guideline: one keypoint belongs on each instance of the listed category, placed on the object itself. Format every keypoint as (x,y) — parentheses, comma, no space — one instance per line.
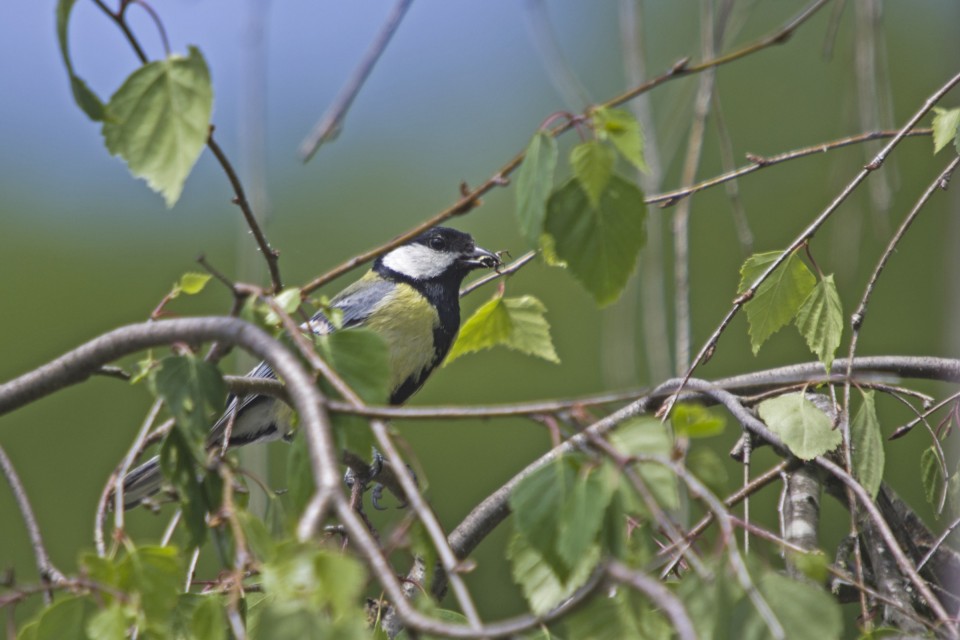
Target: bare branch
(240,198)
(811,229)
(49,574)
(331,123)
(471,197)
(508,270)
(661,596)
(670,198)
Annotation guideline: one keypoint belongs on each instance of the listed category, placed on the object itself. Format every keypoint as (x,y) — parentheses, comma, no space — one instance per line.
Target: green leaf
(158,121)
(707,466)
(624,132)
(931,475)
(592,164)
(86,99)
(710,603)
(192,283)
(805,611)
(259,538)
(806,430)
(150,576)
(540,585)
(489,326)
(534,183)
(311,577)
(599,244)
(208,621)
(157,574)
(583,513)
(29,630)
(820,320)
(606,617)
(300,483)
(696,421)
(946,127)
(778,299)
(538,505)
(180,465)
(649,436)
(867,443)
(813,564)
(276,621)
(109,624)
(516,323)
(361,358)
(193,391)
(66,619)
(288,300)
(613,533)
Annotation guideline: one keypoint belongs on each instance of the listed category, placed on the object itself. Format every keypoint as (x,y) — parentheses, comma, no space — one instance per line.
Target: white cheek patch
(418,262)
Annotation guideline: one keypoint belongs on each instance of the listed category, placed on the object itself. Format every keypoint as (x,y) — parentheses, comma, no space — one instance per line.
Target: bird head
(440,253)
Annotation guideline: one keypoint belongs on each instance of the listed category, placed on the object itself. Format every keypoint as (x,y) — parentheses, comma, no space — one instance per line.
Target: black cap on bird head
(438,253)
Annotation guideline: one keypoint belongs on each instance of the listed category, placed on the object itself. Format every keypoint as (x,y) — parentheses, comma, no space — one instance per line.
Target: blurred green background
(85,248)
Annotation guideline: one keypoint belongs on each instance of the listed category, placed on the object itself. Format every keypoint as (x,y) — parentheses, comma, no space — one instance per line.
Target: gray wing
(359,300)
(255,414)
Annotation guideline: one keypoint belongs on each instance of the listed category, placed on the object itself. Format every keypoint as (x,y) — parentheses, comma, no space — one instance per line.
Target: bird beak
(480,258)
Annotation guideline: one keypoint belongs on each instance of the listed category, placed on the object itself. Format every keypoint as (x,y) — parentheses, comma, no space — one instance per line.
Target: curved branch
(48,573)
(659,593)
(494,509)
(79,364)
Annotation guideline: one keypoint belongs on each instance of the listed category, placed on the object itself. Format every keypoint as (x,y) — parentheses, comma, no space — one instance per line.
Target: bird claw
(375,497)
(377,469)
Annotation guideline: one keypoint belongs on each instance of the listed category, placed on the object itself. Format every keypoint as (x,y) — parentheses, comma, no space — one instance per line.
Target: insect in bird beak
(483,258)
(500,255)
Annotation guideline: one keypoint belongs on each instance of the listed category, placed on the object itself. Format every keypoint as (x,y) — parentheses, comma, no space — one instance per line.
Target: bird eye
(437,244)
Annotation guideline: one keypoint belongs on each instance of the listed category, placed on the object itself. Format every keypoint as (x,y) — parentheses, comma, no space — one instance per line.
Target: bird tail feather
(141,483)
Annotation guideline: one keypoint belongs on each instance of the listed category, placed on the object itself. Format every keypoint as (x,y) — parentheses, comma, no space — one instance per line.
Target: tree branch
(811,229)
(49,574)
(331,123)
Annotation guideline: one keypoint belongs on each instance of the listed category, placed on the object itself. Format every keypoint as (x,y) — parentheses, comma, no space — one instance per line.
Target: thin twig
(864,499)
(659,593)
(652,298)
(119,477)
(710,345)
(902,430)
(559,71)
(471,197)
(271,255)
(240,198)
(757,162)
(49,574)
(508,270)
(331,123)
(733,499)
(709,42)
(699,490)
(156,21)
(936,545)
(737,210)
(412,493)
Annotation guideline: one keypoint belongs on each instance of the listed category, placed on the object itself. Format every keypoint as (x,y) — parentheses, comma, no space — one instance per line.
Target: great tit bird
(411,297)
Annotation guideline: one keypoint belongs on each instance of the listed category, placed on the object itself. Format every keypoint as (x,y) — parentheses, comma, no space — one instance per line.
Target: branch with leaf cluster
(587,513)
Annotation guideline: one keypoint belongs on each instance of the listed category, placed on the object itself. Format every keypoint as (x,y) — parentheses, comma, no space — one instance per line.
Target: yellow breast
(406,321)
